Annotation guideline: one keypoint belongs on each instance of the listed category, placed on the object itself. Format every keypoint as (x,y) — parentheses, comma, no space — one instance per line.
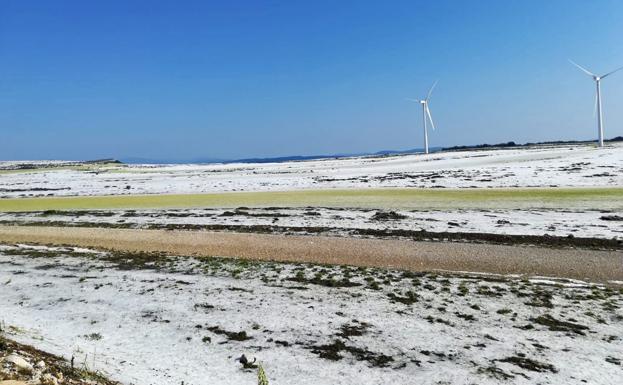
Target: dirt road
(592,265)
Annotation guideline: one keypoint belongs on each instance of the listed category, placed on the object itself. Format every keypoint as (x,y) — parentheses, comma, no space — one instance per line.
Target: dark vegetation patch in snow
(335,351)
(557,325)
(388,215)
(319,279)
(483,309)
(529,364)
(611,218)
(231,336)
(56,219)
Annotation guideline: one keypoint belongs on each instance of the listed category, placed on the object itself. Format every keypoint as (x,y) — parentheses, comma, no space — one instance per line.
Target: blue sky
(231,79)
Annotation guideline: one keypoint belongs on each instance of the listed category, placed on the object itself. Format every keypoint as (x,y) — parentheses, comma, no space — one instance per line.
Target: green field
(561,198)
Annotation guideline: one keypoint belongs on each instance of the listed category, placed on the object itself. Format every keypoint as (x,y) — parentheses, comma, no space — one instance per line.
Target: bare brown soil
(593,265)
(415,235)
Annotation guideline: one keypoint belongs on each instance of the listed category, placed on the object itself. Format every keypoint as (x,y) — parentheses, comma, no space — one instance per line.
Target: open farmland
(398,198)
(557,166)
(600,262)
(497,266)
(481,224)
(152,318)
(311,193)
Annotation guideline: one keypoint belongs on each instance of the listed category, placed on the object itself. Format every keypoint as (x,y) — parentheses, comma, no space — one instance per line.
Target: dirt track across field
(591,265)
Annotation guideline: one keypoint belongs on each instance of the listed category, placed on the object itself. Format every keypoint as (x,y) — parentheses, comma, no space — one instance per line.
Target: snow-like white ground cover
(32,164)
(163,320)
(585,224)
(562,166)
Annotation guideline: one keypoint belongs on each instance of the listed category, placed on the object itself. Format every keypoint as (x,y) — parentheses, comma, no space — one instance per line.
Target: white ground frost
(168,320)
(585,224)
(561,166)
(153,319)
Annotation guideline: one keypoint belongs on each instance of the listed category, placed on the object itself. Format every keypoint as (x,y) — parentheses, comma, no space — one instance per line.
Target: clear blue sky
(230,79)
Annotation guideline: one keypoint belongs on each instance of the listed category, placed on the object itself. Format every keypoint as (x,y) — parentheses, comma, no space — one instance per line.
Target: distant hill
(513,144)
(138,160)
(278,159)
(295,158)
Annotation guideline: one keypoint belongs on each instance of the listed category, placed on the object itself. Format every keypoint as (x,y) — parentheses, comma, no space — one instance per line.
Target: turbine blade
(431,90)
(582,68)
(595,108)
(430,118)
(611,72)
(412,100)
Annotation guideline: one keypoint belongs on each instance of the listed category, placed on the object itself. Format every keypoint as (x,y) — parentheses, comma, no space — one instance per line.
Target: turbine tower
(597,79)
(426,115)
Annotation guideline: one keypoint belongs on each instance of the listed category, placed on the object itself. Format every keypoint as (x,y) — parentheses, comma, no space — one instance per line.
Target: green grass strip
(403,198)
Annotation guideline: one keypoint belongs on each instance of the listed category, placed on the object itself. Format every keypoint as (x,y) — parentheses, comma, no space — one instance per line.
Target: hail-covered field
(601,224)
(557,166)
(155,319)
(158,319)
(506,191)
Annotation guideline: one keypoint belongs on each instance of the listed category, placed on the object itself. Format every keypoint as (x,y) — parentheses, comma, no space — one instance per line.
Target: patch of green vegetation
(333,352)
(397,198)
(432,320)
(541,298)
(93,336)
(557,325)
(609,306)
(463,289)
(3,344)
(356,330)
(409,298)
(319,280)
(525,327)
(529,364)
(610,338)
(372,284)
(138,260)
(495,372)
(466,317)
(232,336)
(487,291)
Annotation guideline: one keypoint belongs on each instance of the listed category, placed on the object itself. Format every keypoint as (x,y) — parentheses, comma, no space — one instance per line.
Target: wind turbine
(426,115)
(597,79)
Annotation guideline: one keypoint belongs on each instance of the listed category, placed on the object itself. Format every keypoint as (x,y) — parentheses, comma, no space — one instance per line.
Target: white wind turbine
(426,115)
(597,79)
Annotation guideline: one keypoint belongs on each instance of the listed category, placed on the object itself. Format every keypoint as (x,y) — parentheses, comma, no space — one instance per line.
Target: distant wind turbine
(597,79)
(426,115)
